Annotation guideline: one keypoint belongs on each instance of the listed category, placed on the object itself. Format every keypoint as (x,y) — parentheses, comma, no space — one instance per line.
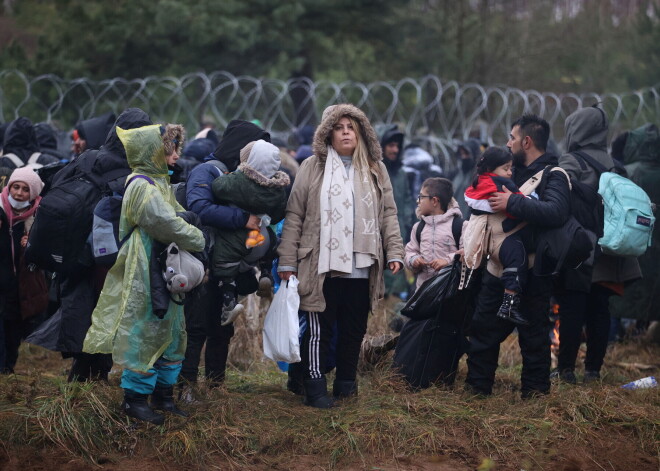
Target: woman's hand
(395,267)
(253,222)
(285,275)
(24,240)
(438,263)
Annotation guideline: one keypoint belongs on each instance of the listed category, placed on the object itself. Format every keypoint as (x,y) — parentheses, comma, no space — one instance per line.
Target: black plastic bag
(427,300)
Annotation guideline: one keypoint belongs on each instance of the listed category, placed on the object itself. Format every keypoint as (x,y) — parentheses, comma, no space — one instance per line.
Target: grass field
(253,423)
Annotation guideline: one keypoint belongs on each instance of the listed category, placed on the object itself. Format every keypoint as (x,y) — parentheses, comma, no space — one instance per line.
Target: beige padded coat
(299,247)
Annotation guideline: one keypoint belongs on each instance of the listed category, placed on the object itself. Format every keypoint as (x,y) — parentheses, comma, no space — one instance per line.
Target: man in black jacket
(527,142)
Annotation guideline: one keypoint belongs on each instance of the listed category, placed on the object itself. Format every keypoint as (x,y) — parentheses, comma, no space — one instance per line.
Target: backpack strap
(600,168)
(130,180)
(33,158)
(457,229)
(420,228)
(14,159)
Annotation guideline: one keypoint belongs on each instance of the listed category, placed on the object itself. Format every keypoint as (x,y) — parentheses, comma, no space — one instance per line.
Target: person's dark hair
(536,128)
(492,158)
(440,188)
(618,145)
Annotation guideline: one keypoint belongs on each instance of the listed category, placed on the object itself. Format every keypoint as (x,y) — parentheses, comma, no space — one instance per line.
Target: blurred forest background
(555,45)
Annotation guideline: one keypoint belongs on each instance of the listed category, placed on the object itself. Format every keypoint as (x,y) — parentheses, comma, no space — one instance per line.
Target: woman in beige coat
(340,230)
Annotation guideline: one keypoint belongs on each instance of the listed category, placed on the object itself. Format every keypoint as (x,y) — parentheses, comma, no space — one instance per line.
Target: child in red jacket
(493,175)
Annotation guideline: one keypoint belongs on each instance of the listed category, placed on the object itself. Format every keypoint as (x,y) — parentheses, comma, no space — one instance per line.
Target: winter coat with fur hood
(586,131)
(299,247)
(437,241)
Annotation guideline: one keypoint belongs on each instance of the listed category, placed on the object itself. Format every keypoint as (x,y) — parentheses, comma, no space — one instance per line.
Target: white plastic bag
(281,328)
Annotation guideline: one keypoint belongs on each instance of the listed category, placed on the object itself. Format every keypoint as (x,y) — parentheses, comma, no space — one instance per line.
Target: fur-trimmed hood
(173,138)
(334,113)
(280,179)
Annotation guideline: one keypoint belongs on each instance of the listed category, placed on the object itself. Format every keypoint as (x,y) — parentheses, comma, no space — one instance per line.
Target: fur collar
(280,179)
(324,131)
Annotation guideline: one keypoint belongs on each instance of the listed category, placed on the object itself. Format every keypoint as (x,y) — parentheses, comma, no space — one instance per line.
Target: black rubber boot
(316,394)
(344,389)
(135,405)
(163,399)
(510,309)
(295,381)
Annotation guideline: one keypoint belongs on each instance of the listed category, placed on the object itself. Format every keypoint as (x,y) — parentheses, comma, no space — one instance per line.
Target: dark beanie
(238,134)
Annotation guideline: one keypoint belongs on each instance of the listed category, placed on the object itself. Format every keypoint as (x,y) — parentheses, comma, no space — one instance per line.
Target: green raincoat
(123,322)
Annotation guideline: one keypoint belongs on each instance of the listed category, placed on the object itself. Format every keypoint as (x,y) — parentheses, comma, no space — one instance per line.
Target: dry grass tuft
(254,423)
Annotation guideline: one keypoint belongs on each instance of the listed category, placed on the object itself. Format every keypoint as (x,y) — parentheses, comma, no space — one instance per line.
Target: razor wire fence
(434,113)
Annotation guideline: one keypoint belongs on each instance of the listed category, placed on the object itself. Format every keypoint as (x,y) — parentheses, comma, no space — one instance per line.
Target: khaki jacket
(301,234)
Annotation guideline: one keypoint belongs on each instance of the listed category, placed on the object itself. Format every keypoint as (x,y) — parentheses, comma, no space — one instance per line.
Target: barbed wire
(433,112)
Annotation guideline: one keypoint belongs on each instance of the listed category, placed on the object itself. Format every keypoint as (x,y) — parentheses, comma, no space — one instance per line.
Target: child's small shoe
(509,310)
(230,308)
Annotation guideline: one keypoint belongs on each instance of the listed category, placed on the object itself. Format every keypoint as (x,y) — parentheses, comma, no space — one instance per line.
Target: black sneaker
(510,309)
(590,376)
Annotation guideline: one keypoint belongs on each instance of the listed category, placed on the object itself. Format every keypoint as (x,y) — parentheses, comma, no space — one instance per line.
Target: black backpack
(63,222)
(569,245)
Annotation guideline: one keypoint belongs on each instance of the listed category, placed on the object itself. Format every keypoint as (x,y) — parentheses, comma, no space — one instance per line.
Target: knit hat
(262,156)
(29,176)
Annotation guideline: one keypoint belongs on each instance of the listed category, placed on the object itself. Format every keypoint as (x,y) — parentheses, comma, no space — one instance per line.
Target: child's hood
(261,163)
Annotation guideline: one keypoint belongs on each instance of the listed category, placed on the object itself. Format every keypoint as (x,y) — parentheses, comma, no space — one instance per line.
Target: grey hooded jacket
(586,130)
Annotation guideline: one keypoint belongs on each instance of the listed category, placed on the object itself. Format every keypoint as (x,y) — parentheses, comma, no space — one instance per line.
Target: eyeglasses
(419,197)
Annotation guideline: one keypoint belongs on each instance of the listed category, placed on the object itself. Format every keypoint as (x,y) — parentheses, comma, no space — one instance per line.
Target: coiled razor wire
(434,113)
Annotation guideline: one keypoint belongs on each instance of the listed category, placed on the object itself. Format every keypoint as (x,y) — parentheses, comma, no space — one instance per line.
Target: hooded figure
(66,329)
(47,139)
(149,349)
(235,137)
(468,153)
(340,233)
(391,142)
(257,186)
(94,130)
(587,289)
(304,136)
(21,141)
(641,154)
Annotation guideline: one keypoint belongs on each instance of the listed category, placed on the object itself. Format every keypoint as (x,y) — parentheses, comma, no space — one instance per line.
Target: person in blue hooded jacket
(204,308)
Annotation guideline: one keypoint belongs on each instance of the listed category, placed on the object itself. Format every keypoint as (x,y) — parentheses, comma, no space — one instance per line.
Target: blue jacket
(200,199)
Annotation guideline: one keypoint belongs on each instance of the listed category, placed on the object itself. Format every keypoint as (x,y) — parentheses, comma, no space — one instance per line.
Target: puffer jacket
(299,247)
(437,241)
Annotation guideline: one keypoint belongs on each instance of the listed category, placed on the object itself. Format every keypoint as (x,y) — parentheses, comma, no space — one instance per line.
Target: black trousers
(488,331)
(347,305)
(591,310)
(202,311)
(513,256)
